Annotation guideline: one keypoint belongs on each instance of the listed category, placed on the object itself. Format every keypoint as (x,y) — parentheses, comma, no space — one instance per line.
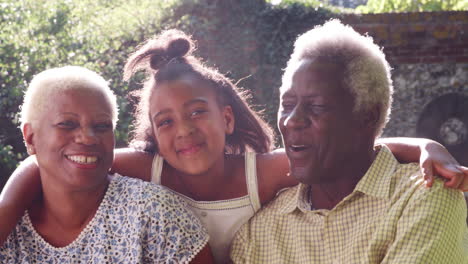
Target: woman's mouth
(82,159)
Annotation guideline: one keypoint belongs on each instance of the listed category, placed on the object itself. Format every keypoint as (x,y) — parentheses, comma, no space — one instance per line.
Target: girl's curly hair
(168,57)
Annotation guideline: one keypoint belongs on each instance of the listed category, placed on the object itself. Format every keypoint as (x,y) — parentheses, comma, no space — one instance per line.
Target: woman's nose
(86,136)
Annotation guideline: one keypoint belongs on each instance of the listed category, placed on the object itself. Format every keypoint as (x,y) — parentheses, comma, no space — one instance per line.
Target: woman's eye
(67,124)
(103,126)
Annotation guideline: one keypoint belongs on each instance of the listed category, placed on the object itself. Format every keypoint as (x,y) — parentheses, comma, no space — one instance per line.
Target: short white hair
(56,80)
(366,71)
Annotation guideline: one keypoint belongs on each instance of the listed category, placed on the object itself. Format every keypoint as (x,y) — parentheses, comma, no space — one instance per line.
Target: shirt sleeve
(173,233)
(240,247)
(431,229)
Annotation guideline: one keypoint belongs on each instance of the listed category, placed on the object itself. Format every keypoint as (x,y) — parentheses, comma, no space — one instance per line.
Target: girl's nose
(185,128)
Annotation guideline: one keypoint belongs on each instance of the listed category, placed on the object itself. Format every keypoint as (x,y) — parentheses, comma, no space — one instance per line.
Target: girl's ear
(28,136)
(229,119)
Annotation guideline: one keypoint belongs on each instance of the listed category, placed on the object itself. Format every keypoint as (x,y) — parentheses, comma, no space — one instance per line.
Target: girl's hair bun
(158,51)
(158,58)
(177,46)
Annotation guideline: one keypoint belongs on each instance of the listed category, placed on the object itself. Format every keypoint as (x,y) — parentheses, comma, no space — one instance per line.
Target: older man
(355,203)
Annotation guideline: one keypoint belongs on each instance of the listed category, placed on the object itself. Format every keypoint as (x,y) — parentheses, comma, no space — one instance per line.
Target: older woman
(85,215)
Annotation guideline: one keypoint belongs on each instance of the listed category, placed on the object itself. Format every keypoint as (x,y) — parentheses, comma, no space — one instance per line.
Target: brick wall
(429,56)
(427,37)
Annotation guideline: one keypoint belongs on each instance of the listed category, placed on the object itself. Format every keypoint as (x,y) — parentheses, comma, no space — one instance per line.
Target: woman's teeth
(82,159)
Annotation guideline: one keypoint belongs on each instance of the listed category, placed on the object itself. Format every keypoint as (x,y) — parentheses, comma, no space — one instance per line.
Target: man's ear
(370,119)
(28,136)
(229,119)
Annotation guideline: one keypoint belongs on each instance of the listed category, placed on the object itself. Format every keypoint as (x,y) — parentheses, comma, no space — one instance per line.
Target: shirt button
(204,214)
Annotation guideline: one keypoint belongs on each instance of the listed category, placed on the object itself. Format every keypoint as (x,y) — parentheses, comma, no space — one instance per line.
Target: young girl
(195,134)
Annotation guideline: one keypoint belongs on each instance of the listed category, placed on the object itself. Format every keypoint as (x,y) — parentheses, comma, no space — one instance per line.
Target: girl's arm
(132,163)
(432,156)
(23,186)
(464,184)
(273,167)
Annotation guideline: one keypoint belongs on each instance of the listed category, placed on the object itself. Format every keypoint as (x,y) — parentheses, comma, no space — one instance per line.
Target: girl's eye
(198,112)
(164,123)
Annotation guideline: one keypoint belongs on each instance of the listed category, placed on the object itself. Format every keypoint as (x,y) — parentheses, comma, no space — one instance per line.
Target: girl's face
(189,125)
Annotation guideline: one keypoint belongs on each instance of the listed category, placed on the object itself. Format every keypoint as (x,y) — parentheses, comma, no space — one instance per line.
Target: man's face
(316,120)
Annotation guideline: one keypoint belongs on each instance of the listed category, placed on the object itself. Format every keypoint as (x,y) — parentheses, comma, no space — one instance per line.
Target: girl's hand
(435,159)
(464,185)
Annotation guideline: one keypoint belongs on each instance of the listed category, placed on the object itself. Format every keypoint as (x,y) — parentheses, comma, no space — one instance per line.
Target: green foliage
(40,34)
(248,40)
(387,6)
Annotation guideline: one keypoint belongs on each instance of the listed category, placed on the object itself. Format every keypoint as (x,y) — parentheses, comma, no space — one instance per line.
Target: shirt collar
(378,178)
(299,200)
(376,182)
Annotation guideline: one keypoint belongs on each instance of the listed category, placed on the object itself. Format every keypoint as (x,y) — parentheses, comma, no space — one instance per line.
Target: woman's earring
(30,150)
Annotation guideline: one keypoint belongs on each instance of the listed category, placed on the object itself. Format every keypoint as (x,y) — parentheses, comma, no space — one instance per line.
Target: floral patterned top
(137,222)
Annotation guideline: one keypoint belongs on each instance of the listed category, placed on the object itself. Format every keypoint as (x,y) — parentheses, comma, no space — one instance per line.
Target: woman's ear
(28,136)
(229,119)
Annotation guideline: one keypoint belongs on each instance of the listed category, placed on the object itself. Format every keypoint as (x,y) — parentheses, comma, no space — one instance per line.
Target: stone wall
(429,54)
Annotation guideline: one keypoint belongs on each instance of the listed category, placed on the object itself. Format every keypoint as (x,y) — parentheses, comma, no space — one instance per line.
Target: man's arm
(23,186)
(431,229)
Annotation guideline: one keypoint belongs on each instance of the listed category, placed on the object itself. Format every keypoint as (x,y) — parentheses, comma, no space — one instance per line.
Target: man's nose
(297,118)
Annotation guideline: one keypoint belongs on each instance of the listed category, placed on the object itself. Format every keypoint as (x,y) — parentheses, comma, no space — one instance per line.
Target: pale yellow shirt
(390,217)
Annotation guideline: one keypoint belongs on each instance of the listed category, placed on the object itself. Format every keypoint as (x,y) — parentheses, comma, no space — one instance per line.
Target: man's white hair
(57,80)
(366,71)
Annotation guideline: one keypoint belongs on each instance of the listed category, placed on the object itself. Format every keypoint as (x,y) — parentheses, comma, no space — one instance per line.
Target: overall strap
(251,179)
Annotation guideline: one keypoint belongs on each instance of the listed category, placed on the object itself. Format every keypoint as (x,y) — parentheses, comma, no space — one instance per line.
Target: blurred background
(425,41)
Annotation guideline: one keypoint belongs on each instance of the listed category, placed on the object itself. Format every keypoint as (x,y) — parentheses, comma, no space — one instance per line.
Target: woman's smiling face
(73,139)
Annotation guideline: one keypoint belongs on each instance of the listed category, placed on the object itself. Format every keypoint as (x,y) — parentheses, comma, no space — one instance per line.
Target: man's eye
(317,109)
(287,106)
